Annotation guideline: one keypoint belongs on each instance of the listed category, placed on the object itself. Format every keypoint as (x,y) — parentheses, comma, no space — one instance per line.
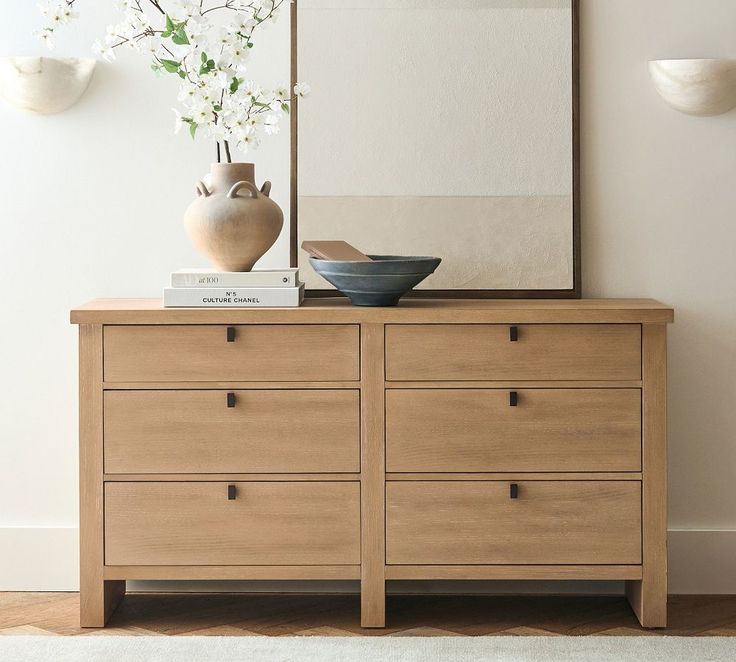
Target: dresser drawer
(307,523)
(321,352)
(259,431)
(486,352)
(551,522)
(476,430)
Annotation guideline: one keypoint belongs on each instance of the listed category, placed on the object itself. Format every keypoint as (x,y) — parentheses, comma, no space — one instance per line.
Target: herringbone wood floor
(338,615)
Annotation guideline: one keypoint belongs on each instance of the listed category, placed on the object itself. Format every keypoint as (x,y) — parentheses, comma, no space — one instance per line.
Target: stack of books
(205,288)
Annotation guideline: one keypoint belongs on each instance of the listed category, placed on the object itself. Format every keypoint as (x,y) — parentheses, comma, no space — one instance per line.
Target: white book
(245,297)
(258,278)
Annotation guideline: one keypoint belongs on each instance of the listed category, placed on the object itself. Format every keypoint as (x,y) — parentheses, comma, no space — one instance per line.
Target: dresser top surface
(418,311)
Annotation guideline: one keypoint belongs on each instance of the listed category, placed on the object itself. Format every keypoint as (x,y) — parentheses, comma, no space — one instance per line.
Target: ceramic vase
(232,222)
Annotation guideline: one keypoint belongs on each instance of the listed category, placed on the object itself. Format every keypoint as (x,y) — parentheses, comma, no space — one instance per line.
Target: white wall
(91,204)
(659,213)
(83,198)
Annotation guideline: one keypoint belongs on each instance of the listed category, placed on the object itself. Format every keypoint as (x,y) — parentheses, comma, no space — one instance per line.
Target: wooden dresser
(436,440)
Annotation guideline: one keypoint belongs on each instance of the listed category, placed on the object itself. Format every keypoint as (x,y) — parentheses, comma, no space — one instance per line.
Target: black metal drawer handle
(232,492)
(230,400)
(514,491)
(514,334)
(513,399)
(231,334)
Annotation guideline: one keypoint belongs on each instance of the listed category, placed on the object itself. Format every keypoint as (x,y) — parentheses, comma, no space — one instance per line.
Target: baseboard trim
(47,559)
(39,558)
(701,561)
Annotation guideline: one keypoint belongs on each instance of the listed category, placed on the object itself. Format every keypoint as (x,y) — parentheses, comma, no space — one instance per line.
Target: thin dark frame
(574,293)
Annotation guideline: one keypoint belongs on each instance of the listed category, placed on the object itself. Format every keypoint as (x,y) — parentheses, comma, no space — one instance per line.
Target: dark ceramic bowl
(381,282)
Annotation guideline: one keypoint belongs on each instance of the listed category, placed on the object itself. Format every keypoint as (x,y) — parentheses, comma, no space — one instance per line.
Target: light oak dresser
(437,440)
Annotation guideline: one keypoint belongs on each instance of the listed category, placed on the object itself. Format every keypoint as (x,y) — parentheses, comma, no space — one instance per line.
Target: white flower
(248,142)
(47,37)
(271,125)
(103,51)
(178,121)
(238,55)
(210,62)
(251,89)
(302,90)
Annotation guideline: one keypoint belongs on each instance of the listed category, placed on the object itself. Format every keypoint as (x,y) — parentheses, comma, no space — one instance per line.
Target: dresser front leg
(648,599)
(372,602)
(648,596)
(373,479)
(98,601)
(97,598)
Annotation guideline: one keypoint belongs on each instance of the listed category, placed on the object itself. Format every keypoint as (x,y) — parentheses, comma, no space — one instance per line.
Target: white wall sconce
(696,87)
(44,85)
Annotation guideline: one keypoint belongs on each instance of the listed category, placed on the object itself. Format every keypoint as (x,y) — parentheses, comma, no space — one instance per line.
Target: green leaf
(193,129)
(204,57)
(285,108)
(182,75)
(234,85)
(170,25)
(180,37)
(172,66)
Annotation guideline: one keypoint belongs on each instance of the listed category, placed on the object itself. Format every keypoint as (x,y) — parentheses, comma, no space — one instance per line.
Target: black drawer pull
(232,492)
(514,334)
(231,400)
(513,399)
(231,334)
(514,492)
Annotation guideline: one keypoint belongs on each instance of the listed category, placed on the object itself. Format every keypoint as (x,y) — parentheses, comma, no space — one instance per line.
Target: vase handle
(202,190)
(266,190)
(241,185)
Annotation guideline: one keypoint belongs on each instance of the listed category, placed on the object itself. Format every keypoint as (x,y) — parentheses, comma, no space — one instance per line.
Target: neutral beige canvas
(441,129)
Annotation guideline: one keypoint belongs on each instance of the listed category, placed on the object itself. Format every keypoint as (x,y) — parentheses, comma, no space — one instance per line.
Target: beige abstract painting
(441,128)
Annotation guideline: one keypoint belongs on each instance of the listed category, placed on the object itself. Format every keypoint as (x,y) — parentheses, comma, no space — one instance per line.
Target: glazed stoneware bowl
(381,282)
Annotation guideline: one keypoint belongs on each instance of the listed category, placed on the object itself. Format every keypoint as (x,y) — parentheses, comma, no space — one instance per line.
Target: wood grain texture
(484,352)
(412,311)
(513,572)
(474,523)
(260,353)
(373,485)
(234,478)
(516,476)
(476,430)
(232,572)
(511,385)
(226,386)
(266,524)
(648,597)
(98,598)
(297,431)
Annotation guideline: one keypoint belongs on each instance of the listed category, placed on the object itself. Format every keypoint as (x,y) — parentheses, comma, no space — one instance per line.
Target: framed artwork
(446,128)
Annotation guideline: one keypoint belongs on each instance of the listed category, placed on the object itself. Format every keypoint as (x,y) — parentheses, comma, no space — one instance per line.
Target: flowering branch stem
(208,56)
(157,6)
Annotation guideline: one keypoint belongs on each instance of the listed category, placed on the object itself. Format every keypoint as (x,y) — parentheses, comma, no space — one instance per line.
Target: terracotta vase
(231,222)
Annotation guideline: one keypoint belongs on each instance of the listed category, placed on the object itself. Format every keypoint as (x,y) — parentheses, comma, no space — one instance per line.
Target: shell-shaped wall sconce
(696,87)
(44,85)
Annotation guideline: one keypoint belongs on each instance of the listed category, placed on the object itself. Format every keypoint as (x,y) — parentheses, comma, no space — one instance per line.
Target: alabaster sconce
(44,85)
(696,87)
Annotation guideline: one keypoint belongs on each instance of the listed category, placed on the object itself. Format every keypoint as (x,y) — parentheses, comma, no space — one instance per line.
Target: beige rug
(366,649)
